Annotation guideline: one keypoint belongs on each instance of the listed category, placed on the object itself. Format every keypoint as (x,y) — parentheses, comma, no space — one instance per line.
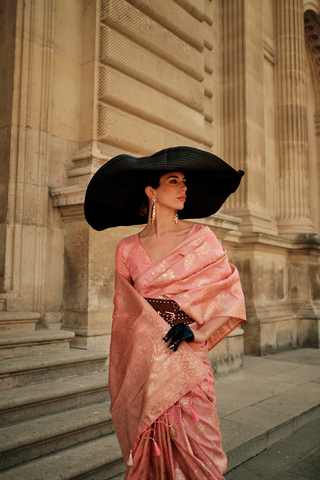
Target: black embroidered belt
(170,311)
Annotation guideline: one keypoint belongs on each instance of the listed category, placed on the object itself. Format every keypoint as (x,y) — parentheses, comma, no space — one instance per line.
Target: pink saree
(163,405)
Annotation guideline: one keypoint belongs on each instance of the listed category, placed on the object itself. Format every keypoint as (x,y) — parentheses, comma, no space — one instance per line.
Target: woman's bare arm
(203,332)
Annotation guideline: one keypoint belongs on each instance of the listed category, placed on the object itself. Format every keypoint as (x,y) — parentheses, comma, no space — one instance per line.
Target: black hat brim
(115,192)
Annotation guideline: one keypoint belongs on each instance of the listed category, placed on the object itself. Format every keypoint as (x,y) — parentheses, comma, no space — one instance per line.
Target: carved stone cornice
(312,36)
(86,161)
(70,202)
(71,195)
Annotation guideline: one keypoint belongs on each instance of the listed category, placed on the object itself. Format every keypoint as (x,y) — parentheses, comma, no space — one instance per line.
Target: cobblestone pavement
(296,457)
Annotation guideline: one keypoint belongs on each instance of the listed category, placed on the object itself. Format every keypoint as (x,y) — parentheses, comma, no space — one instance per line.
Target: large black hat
(115,193)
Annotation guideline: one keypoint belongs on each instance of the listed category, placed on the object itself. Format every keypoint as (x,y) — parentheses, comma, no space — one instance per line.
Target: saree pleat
(188,437)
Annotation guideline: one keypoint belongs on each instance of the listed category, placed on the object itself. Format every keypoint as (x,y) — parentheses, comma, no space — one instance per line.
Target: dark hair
(144,207)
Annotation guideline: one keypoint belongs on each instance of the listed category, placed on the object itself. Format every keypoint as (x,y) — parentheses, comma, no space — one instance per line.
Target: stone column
(26,102)
(243,111)
(312,39)
(291,108)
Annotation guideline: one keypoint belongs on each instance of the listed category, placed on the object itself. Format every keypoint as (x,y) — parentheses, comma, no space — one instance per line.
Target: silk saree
(162,404)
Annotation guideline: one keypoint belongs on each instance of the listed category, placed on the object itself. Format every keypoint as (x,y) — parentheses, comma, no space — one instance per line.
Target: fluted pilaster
(243,110)
(294,211)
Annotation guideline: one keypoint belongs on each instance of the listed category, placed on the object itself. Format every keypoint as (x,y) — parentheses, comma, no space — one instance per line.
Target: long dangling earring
(176,218)
(153,211)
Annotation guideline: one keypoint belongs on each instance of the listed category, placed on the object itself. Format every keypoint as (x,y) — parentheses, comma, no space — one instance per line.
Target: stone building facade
(85,80)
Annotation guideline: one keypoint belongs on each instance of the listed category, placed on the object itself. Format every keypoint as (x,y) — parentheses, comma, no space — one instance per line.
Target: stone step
(32,401)
(32,343)
(99,459)
(14,322)
(18,372)
(32,439)
(248,444)
(278,395)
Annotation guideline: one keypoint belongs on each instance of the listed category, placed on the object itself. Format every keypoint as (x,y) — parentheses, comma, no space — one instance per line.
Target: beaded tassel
(156,448)
(130,461)
(194,415)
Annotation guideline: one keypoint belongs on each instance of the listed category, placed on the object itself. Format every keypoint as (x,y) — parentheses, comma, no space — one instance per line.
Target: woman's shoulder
(198,228)
(127,243)
(124,251)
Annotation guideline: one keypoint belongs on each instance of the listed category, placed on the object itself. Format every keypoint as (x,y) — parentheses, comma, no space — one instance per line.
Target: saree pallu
(163,405)
(184,442)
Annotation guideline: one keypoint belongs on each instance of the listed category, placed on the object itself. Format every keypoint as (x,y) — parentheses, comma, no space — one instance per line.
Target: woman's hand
(203,332)
(194,332)
(177,334)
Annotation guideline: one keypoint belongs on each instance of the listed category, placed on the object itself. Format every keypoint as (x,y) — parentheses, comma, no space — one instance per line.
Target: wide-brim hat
(116,191)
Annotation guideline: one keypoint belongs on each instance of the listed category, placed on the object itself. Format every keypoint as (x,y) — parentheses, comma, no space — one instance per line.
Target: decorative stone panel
(155,87)
(148,104)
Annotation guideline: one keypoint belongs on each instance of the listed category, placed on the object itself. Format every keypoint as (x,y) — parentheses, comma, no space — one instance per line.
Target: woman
(173,275)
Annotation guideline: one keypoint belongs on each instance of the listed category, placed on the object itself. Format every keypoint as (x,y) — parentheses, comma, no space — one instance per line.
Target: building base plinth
(226,358)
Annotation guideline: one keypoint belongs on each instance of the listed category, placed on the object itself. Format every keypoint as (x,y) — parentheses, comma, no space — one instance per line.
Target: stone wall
(86,80)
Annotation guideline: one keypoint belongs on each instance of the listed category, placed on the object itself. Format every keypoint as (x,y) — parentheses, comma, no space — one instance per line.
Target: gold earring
(153,211)
(176,218)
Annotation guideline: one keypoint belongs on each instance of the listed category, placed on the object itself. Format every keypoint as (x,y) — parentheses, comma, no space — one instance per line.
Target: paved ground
(278,395)
(297,457)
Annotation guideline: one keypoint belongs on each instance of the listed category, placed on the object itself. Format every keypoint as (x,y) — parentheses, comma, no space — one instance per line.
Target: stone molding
(71,195)
(86,161)
(311,5)
(15,322)
(70,201)
(253,220)
(89,153)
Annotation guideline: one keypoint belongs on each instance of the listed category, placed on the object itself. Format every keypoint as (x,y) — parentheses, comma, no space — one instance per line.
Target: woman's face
(171,192)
